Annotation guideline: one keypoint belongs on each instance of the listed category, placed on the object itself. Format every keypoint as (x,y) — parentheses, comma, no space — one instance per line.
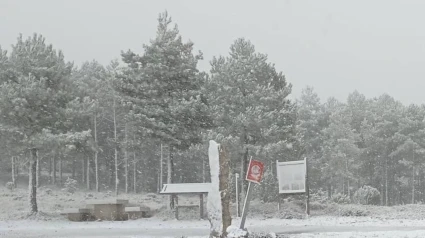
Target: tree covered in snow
(34,98)
(250,105)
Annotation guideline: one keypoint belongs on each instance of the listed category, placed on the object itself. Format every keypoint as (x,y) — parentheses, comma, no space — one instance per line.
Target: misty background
(336,47)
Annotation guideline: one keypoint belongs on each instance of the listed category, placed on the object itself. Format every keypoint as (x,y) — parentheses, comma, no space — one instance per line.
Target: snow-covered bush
(353,211)
(70,185)
(10,186)
(340,198)
(319,196)
(367,195)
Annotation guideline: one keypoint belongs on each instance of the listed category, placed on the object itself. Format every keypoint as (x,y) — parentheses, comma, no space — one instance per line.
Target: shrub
(352,211)
(367,195)
(70,185)
(341,198)
(319,196)
(10,186)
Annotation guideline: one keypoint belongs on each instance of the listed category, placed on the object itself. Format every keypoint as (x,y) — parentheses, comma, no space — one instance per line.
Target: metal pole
(246,206)
(237,194)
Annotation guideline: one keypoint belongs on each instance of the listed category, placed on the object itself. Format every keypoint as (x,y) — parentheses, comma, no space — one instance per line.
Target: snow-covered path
(173,228)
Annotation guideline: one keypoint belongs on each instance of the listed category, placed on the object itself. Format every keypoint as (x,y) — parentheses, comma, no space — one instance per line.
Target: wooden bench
(78,214)
(136,212)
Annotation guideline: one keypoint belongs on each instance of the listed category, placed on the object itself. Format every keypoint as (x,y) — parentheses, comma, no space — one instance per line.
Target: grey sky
(336,46)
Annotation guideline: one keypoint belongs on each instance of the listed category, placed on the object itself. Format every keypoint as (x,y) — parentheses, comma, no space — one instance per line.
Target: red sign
(255,171)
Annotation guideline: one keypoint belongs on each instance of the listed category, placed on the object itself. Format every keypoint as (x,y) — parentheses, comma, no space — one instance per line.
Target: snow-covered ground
(315,227)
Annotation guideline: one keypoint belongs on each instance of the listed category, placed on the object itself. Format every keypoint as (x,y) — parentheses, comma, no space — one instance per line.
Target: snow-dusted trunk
(161,170)
(13,172)
(37,172)
(244,183)
(116,149)
(60,170)
(54,169)
(386,181)
(219,196)
(134,172)
(88,174)
(96,162)
(170,173)
(83,173)
(413,184)
(126,158)
(33,181)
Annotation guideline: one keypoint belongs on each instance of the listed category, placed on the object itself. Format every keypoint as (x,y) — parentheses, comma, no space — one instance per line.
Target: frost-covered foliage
(318,196)
(70,185)
(340,198)
(367,195)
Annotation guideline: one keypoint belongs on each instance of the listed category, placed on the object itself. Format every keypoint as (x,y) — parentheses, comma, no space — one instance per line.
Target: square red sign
(255,171)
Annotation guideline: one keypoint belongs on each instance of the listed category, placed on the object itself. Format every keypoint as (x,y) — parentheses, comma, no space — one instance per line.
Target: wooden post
(201,205)
(176,204)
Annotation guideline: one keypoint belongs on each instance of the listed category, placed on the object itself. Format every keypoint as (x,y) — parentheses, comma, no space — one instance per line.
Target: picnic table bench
(136,212)
(78,214)
(110,210)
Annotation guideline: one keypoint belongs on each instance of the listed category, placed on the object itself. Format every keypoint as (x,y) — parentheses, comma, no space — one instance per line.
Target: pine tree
(163,88)
(33,99)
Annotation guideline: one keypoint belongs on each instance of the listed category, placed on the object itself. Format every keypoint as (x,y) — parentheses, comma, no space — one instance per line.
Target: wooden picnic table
(110,210)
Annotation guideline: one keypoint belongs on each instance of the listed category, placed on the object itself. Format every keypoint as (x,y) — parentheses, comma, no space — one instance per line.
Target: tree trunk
(386,181)
(224,176)
(161,171)
(17,171)
(60,171)
(13,172)
(83,173)
(116,149)
(54,169)
(96,162)
(88,173)
(33,181)
(38,173)
(413,184)
(134,172)
(126,158)
(170,172)
(50,170)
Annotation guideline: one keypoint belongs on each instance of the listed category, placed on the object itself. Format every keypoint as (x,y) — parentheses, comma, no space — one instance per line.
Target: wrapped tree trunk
(33,181)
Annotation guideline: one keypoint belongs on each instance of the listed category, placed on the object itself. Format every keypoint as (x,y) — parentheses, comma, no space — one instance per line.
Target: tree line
(146,119)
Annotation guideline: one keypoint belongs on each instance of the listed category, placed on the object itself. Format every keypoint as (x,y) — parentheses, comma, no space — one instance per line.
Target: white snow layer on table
(179,188)
(214,198)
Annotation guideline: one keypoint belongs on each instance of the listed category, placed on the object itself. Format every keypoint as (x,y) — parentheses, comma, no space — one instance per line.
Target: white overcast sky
(336,46)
